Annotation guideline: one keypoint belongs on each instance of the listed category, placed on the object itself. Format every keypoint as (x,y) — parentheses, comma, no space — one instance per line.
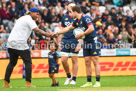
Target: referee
(17,45)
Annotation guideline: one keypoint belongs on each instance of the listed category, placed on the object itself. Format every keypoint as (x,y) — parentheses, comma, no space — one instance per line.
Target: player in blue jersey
(90,45)
(69,46)
(53,62)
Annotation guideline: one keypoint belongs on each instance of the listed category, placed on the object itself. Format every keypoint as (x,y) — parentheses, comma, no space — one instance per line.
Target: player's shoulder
(86,16)
(66,16)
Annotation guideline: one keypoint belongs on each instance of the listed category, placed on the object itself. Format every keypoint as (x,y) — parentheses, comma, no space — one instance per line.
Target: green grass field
(118,83)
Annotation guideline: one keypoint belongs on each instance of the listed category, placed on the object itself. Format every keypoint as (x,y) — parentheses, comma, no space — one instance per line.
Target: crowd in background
(114,20)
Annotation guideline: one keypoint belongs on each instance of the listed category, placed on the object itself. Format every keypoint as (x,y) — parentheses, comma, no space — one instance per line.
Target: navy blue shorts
(53,69)
(69,46)
(91,49)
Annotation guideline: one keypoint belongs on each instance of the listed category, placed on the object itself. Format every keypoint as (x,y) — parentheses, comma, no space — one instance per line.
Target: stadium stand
(115,24)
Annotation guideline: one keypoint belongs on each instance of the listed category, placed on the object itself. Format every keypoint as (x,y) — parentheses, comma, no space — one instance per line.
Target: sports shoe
(73,82)
(67,81)
(29,85)
(54,85)
(88,84)
(6,84)
(97,84)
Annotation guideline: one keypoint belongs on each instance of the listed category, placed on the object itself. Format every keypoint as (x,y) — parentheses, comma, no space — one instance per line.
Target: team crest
(66,18)
(95,53)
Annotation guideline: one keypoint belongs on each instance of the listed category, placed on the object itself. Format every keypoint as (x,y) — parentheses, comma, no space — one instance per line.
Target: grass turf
(117,83)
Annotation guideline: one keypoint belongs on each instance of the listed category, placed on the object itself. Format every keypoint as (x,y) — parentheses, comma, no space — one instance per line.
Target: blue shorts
(69,46)
(53,69)
(91,49)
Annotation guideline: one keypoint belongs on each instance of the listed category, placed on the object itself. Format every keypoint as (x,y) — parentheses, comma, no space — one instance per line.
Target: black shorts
(54,69)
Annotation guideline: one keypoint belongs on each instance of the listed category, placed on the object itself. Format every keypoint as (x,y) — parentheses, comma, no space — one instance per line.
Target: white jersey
(21,32)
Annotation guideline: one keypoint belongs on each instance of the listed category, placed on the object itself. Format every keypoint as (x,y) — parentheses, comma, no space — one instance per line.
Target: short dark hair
(76,8)
(56,45)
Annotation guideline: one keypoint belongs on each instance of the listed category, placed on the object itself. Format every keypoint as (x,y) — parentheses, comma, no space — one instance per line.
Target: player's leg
(95,59)
(64,59)
(25,55)
(88,72)
(74,68)
(13,60)
(51,75)
(74,57)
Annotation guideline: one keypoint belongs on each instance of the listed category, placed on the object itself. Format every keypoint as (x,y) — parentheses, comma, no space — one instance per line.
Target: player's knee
(74,61)
(13,63)
(87,62)
(50,75)
(95,60)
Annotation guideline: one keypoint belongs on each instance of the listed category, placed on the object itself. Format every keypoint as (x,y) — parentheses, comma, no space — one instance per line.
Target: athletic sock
(89,78)
(68,75)
(74,78)
(98,78)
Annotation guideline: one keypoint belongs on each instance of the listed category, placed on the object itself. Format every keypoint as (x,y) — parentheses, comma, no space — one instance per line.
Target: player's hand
(78,48)
(79,36)
(54,35)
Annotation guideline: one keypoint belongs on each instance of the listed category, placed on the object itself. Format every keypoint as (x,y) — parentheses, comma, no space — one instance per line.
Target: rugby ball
(77,31)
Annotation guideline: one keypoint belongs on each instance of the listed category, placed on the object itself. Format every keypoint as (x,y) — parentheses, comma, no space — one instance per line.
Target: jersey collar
(80,18)
(70,16)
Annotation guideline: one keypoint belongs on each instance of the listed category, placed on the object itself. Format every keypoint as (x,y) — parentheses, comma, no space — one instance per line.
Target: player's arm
(66,29)
(57,58)
(89,30)
(61,36)
(41,32)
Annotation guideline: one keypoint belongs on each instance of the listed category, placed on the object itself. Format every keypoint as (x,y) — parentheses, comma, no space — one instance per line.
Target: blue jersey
(66,21)
(83,24)
(52,56)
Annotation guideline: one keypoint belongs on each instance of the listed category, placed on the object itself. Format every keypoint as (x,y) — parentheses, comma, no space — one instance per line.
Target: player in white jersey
(17,45)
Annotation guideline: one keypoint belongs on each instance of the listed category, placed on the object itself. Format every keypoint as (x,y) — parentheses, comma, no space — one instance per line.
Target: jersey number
(67,23)
(95,39)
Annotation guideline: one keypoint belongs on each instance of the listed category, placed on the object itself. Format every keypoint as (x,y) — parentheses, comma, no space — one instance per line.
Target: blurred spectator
(116,32)
(120,12)
(105,15)
(125,36)
(84,7)
(129,16)
(113,14)
(111,28)
(1,45)
(13,10)
(2,30)
(91,14)
(60,15)
(44,15)
(25,9)
(5,14)
(111,40)
(20,4)
(122,26)
(65,9)
(97,12)
(53,2)
(11,24)
(131,32)
(53,17)
(117,21)
(109,21)
(32,5)
(58,8)
(134,19)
